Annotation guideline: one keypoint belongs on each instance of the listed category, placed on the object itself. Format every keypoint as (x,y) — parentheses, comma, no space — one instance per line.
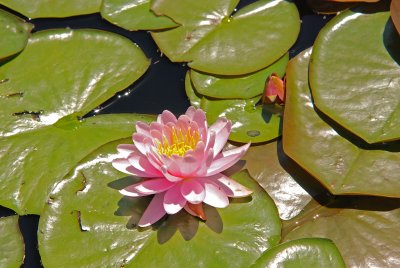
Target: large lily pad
(88,223)
(51,8)
(336,159)
(280,178)
(134,15)
(306,252)
(12,249)
(355,73)
(250,123)
(70,73)
(365,238)
(236,87)
(214,41)
(14,33)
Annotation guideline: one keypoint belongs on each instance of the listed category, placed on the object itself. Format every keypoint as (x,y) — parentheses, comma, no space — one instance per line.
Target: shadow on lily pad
(186,224)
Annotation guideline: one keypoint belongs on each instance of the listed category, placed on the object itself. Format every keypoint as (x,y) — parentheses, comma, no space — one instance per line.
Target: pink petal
(231,187)
(123,165)
(227,159)
(143,128)
(183,167)
(190,112)
(193,191)
(222,128)
(154,211)
(173,200)
(215,196)
(166,117)
(200,118)
(168,176)
(141,142)
(206,163)
(147,187)
(126,149)
(141,163)
(210,139)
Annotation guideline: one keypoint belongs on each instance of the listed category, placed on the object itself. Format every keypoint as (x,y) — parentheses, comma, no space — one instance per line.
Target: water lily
(181,161)
(274,90)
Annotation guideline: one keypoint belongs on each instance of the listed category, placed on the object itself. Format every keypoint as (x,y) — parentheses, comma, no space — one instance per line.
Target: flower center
(179,142)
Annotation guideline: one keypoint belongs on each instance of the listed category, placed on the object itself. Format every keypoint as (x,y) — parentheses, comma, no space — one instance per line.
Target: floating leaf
(250,123)
(191,93)
(70,73)
(14,33)
(355,74)
(88,223)
(134,15)
(336,159)
(12,250)
(214,41)
(279,176)
(51,8)
(236,87)
(395,14)
(306,252)
(365,238)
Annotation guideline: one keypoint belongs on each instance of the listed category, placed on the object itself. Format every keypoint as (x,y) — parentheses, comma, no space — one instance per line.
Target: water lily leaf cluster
(340,134)
(42,134)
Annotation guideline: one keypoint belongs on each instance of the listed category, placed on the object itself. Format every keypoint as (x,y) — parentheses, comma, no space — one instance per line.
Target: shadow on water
(182,222)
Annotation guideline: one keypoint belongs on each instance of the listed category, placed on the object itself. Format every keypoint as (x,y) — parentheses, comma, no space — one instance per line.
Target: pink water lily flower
(181,161)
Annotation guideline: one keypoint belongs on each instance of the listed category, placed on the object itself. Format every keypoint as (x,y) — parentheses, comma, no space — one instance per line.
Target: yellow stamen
(180,142)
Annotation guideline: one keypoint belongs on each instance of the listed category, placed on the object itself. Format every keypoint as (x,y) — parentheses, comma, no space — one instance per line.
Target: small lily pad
(134,15)
(12,249)
(214,41)
(42,137)
(88,223)
(191,93)
(250,123)
(305,252)
(355,73)
(236,87)
(364,237)
(338,160)
(14,33)
(51,8)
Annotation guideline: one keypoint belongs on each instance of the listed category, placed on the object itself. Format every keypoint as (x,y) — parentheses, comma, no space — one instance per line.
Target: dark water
(162,87)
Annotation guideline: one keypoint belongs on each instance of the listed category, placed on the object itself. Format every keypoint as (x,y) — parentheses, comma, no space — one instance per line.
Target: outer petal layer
(174,200)
(147,187)
(153,212)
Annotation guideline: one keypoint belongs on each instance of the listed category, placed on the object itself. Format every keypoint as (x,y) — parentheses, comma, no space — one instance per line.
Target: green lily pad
(214,41)
(365,238)
(88,223)
(355,73)
(236,87)
(328,153)
(250,123)
(14,33)
(279,176)
(134,15)
(306,252)
(12,249)
(50,8)
(191,93)
(70,73)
